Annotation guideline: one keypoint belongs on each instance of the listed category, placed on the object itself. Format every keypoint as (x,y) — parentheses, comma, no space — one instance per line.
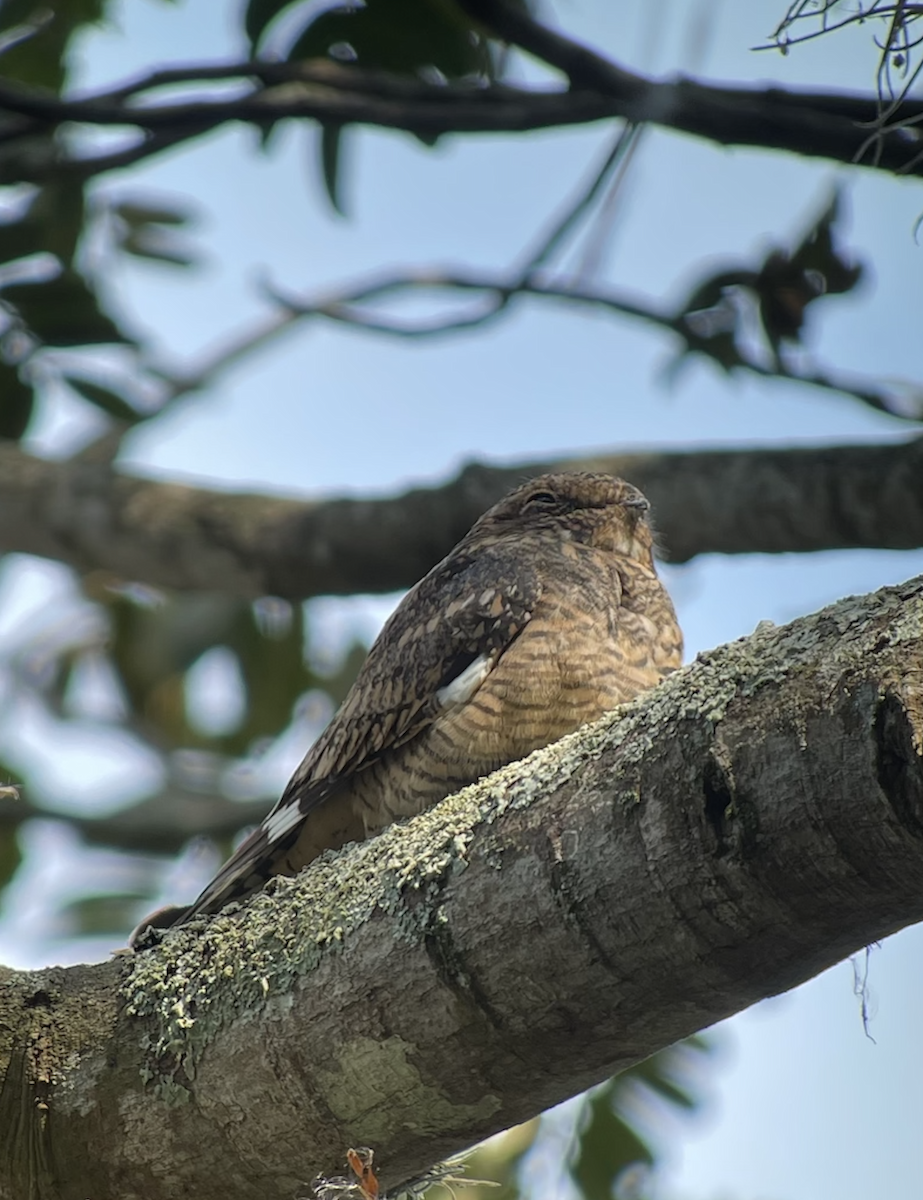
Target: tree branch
(160,824)
(709,501)
(840,126)
(731,834)
(492,295)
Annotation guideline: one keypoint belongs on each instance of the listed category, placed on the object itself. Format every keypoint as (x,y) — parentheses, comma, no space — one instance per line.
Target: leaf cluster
(426,39)
(607,1144)
(773,296)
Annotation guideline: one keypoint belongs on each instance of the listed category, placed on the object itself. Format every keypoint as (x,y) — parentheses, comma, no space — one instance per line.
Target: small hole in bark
(899,766)
(718,798)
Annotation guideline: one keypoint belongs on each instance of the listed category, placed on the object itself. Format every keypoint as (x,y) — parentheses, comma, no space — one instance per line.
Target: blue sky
(804,1105)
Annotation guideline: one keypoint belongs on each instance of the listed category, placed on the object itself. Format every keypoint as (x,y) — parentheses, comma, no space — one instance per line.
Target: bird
(548,613)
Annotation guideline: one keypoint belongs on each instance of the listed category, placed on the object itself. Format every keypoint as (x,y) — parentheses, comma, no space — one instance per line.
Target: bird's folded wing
(435,651)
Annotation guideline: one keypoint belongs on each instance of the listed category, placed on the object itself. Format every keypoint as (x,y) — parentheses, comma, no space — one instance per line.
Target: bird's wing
(437,648)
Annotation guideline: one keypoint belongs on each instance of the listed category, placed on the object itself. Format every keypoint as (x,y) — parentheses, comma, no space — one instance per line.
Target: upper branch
(840,126)
(719,501)
(745,825)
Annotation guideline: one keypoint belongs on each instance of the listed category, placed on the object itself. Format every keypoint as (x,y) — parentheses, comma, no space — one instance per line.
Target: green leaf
(710,292)
(137,214)
(818,252)
(401,36)
(15,810)
(20,237)
(499,1160)
(10,855)
(42,60)
(788,283)
(260,15)
(151,244)
(63,312)
(147,231)
(17,401)
(152,645)
(60,213)
(331,139)
(52,221)
(96,915)
(105,398)
(608,1144)
(274,672)
(268,131)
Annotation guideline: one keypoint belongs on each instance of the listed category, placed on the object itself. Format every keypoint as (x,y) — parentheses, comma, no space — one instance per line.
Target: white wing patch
(463,686)
(281,820)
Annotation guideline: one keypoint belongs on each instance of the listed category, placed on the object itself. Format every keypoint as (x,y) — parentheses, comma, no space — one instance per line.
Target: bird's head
(599,510)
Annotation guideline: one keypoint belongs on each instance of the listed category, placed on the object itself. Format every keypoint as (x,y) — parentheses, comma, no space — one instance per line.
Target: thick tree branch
(721,501)
(698,109)
(839,126)
(731,834)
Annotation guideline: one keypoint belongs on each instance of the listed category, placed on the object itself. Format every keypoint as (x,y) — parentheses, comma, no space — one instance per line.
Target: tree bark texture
(769,500)
(732,833)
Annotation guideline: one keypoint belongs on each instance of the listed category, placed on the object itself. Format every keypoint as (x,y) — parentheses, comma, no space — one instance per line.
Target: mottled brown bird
(547,614)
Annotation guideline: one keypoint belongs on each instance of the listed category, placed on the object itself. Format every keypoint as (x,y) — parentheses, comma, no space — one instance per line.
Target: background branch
(748,823)
(160,824)
(721,501)
(825,125)
(490,296)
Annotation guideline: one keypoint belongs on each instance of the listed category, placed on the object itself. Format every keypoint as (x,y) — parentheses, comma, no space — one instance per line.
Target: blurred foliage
(11,804)
(605,1145)
(43,60)
(615,1144)
(405,37)
(720,313)
(127,667)
(431,39)
(60,238)
(55,247)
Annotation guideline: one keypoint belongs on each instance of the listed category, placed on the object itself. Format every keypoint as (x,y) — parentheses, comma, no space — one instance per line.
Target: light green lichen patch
(231,967)
(375,1086)
(235,965)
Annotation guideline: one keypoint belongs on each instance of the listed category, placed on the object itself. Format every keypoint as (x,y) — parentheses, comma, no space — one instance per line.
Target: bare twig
(496,293)
(561,229)
(488,296)
(895,58)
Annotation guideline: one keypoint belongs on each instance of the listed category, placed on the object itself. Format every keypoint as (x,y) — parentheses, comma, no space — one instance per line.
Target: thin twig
(496,294)
(601,234)
(896,50)
(551,242)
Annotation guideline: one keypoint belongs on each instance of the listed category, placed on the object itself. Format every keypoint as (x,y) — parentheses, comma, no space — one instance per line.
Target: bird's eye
(542,499)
